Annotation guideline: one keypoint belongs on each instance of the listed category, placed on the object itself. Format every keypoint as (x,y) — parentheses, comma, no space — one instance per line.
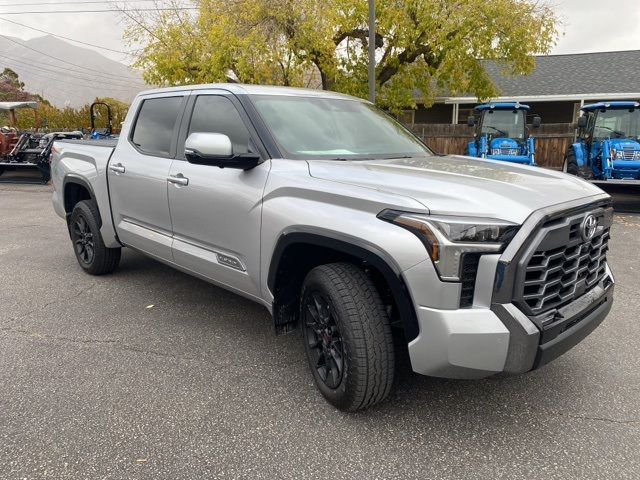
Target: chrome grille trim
(630,154)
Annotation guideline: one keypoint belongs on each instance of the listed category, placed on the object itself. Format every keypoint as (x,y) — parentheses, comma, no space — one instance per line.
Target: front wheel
(570,165)
(84,228)
(347,336)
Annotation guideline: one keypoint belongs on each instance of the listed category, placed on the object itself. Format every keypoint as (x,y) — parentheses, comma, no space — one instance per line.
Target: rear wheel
(347,336)
(84,228)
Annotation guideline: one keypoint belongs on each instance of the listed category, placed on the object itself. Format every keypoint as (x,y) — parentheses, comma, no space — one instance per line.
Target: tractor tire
(570,165)
(347,336)
(84,229)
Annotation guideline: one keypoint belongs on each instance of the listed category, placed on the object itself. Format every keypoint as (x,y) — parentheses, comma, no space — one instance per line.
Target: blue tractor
(608,143)
(502,133)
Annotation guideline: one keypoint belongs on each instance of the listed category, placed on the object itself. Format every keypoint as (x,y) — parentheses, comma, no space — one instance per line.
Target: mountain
(66,74)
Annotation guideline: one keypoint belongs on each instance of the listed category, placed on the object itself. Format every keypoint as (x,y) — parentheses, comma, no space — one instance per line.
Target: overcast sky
(589,25)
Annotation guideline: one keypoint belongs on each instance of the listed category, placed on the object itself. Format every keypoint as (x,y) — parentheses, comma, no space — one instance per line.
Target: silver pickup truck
(338,220)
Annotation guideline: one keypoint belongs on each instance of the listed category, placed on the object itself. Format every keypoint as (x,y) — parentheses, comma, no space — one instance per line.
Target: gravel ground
(149,373)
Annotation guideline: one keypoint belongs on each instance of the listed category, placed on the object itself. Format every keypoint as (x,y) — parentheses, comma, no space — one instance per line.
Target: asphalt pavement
(151,374)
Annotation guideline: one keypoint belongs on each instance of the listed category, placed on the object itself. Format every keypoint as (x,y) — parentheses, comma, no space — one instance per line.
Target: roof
(501,106)
(612,105)
(14,105)
(240,88)
(581,76)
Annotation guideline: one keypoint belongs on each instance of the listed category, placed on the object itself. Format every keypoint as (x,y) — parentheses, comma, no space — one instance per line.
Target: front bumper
(495,335)
(521,159)
(479,342)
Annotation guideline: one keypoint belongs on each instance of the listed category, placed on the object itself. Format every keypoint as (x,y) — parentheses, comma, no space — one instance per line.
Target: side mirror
(535,123)
(471,121)
(582,121)
(216,149)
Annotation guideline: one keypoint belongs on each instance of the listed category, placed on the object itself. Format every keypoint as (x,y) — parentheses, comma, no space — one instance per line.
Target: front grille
(631,154)
(561,266)
(505,151)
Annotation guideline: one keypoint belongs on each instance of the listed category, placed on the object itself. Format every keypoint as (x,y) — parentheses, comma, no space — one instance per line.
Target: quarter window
(155,124)
(217,114)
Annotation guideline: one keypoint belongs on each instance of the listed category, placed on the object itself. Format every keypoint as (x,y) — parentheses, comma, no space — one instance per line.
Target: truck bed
(94,143)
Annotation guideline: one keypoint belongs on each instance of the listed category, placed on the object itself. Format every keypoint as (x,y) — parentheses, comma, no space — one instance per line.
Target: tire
(84,230)
(570,165)
(350,329)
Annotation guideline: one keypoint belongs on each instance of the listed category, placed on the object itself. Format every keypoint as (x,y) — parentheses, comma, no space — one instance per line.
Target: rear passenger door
(138,172)
(216,216)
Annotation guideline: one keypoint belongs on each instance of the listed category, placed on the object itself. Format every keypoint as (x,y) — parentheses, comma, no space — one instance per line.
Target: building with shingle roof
(557,88)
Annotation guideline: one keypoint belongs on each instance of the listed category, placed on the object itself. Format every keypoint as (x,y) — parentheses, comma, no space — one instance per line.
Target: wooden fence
(552,140)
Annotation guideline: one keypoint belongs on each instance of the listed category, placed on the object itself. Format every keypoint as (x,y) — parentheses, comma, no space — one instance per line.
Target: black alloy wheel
(83,240)
(323,339)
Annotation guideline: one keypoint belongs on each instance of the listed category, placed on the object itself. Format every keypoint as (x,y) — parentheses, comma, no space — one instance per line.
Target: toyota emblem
(589,226)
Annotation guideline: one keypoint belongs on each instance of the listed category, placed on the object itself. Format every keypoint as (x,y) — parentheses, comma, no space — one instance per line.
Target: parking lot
(149,373)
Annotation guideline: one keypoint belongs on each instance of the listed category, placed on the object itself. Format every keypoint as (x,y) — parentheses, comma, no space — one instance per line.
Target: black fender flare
(72,178)
(368,253)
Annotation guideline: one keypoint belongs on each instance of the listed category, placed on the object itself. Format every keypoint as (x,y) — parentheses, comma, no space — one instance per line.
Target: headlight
(617,154)
(448,239)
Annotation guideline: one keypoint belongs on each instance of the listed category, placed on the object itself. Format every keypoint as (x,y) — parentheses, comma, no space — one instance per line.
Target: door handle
(117,168)
(178,179)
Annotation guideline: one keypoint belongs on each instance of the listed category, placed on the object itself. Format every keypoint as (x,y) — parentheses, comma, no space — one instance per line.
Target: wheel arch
(75,189)
(296,253)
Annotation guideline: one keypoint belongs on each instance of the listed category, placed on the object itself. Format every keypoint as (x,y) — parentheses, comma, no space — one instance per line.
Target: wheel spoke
(323,339)
(319,303)
(336,355)
(333,374)
(82,224)
(314,314)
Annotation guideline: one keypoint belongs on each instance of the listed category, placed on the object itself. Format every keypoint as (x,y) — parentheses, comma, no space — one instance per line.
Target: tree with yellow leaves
(426,46)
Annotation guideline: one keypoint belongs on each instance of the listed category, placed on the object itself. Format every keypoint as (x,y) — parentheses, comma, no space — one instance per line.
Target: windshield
(334,128)
(503,123)
(618,124)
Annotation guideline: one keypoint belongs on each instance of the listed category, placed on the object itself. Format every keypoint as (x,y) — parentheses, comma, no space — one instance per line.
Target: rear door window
(155,125)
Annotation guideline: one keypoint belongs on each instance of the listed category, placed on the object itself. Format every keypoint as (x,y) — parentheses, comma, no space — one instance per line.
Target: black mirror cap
(241,161)
(471,121)
(536,122)
(582,121)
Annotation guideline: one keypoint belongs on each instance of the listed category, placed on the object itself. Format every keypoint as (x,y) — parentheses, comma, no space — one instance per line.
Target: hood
(624,144)
(504,143)
(456,185)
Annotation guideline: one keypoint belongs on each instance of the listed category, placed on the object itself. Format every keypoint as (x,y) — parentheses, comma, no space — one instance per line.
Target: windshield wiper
(497,130)
(615,132)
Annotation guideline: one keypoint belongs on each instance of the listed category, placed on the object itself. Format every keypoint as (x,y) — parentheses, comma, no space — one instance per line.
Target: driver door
(216,212)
